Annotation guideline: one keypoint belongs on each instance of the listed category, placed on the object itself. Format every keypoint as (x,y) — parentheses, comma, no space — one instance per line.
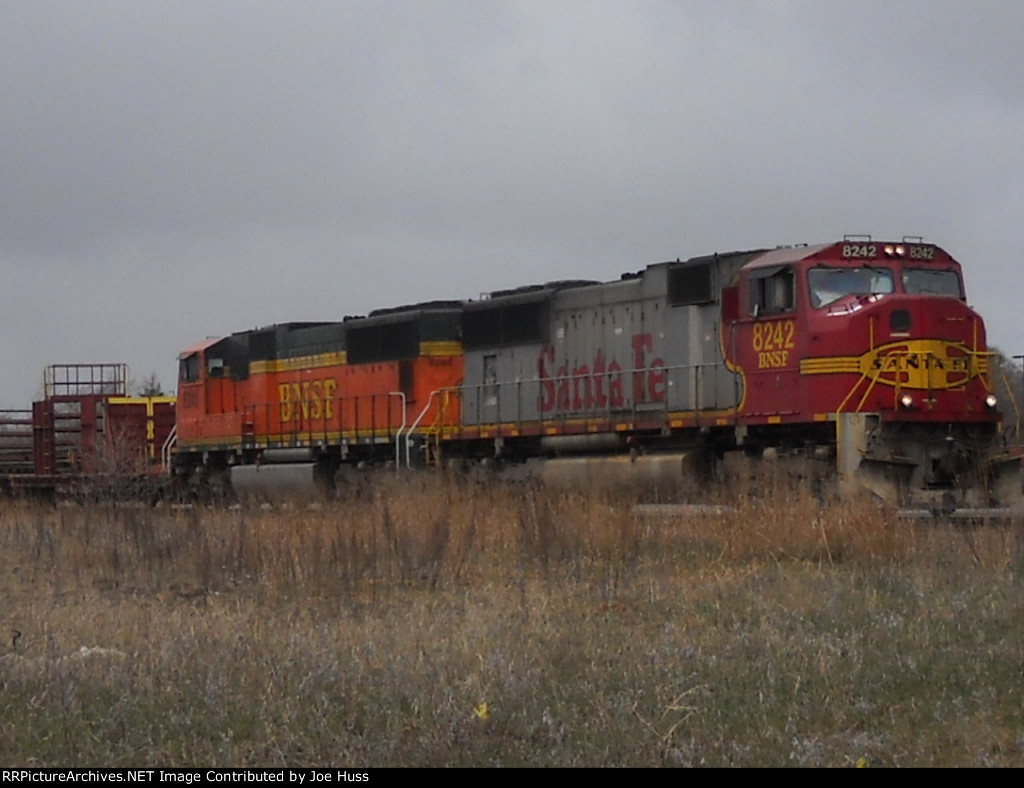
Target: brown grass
(445,623)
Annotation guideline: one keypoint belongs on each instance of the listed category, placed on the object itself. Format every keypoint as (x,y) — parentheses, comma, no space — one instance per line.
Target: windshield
(922,281)
(831,284)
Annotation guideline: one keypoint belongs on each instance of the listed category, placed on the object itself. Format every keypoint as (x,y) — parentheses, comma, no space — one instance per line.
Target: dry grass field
(458,625)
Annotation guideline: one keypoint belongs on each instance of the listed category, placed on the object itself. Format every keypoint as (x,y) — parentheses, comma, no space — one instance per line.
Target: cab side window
(188,369)
(772,291)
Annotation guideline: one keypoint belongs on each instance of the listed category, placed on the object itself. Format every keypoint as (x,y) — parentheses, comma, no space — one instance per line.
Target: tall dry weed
(454,623)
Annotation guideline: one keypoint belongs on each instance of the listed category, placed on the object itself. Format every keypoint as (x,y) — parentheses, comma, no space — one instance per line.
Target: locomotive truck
(862,356)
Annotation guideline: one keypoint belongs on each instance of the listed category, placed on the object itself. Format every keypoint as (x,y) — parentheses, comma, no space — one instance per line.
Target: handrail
(580,384)
(398,434)
(165,449)
(415,424)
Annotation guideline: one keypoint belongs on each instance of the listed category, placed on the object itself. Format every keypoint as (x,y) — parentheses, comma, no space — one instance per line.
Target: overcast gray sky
(177,169)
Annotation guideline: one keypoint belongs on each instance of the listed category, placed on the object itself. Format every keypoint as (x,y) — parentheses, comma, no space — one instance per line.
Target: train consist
(860,356)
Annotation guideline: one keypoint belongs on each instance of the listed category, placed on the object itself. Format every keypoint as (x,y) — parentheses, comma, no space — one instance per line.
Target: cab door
(766,343)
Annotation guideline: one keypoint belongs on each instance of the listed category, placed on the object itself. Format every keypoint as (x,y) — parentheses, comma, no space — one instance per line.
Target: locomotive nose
(946,319)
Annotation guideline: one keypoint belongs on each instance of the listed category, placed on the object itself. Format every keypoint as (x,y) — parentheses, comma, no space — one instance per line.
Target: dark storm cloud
(177,169)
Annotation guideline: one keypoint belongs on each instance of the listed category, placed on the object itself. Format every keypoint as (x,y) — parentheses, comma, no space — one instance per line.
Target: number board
(871,251)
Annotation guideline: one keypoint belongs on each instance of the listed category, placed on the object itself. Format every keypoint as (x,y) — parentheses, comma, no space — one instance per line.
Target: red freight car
(86,435)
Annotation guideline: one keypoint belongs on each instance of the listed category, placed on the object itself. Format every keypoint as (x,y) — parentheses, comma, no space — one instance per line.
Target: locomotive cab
(873,347)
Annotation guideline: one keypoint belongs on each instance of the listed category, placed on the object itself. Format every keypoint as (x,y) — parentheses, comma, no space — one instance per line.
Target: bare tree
(1006,378)
(150,387)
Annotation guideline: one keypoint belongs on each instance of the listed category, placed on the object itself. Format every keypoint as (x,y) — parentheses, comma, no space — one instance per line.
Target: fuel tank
(668,471)
(284,481)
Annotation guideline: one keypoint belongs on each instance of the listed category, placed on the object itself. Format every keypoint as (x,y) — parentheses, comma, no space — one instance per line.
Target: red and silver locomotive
(863,354)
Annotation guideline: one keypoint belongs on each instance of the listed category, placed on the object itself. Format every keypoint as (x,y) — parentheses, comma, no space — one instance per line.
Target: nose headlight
(991,400)
(907,401)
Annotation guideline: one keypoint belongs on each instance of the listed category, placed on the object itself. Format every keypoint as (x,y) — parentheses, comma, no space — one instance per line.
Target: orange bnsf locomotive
(861,354)
(269,405)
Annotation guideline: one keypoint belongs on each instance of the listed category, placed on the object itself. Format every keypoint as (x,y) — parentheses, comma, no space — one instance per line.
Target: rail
(363,418)
(415,424)
(80,380)
(398,435)
(17,442)
(168,447)
(693,391)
